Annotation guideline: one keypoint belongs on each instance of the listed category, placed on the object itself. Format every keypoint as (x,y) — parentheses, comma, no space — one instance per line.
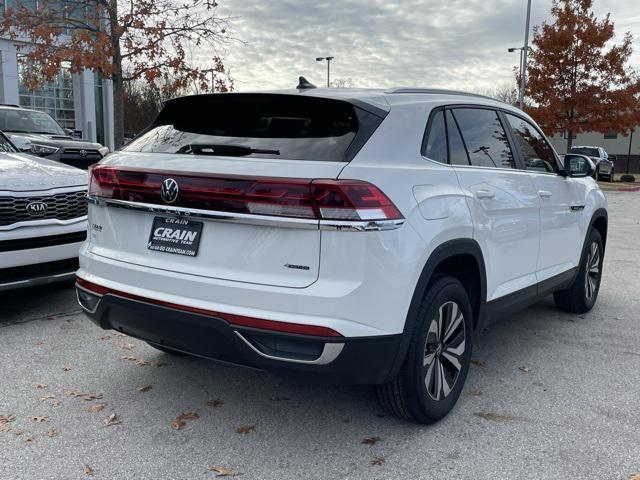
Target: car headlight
(43,149)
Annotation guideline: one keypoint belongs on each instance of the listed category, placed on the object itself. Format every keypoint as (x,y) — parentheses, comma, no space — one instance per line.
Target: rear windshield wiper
(224,150)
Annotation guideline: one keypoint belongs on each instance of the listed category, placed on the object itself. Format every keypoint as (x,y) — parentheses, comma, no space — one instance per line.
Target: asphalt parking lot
(550,395)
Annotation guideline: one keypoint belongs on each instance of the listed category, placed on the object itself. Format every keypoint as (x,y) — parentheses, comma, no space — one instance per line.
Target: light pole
(523,74)
(328,59)
(520,92)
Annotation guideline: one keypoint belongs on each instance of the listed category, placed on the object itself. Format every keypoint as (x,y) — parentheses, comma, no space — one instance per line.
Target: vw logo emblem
(36,207)
(82,153)
(169,190)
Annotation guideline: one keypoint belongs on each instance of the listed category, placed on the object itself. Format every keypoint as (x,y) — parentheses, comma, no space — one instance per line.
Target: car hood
(21,173)
(55,140)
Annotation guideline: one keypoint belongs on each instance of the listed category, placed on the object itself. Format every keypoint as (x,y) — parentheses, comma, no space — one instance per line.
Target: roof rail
(438,91)
(10,105)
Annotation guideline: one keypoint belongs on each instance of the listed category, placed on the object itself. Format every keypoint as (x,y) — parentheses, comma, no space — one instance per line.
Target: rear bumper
(345,360)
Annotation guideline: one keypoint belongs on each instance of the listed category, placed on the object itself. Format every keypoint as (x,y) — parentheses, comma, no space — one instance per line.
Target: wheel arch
(600,221)
(460,258)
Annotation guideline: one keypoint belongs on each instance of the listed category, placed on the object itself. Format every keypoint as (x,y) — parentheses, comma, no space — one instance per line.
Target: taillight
(320,199)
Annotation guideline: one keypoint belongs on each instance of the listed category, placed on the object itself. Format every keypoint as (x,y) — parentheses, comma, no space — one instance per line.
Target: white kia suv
(43,218)
(357,236)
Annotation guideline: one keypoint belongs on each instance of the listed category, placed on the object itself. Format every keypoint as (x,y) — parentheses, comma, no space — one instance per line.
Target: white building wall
(8,73)
(618,146)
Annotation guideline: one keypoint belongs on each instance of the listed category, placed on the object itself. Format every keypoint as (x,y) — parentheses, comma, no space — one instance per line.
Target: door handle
(485,194)
(544,193)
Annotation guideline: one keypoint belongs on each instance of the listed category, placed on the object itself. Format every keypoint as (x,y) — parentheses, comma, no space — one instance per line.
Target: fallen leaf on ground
(142,363)
(178,422)
(371,440)
(86,396)
(40,418)
(51,399)
(479,363)
(224,472)
(244,429)
(39,343)
(216,402)
(145,388)
(524,369)
(377,461)
(111,420)
(127,346)
(475,393)
(277,398)
(634,476)
(66,369)
(496,417)
(52,432)
(119,334)
(104,337)
(39,386)
(87,470)
(5,420)
(98,407)
(29,439)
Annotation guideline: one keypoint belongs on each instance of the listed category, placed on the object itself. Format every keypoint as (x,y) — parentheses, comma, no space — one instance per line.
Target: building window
(611,135)
(55,98)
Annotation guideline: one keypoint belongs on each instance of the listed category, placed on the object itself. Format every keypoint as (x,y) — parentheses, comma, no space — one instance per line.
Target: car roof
(7,106)
(384,98)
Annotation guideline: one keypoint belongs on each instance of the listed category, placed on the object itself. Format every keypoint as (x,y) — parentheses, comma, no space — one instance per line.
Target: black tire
(166,350)
(582,294)
(411,396)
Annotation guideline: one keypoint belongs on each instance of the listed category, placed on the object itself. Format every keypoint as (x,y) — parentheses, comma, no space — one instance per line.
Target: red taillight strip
(299,198)
(238,320)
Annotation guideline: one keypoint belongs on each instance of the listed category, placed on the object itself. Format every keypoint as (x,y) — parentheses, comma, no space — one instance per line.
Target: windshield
(28,121)
(259,126)
(590,152)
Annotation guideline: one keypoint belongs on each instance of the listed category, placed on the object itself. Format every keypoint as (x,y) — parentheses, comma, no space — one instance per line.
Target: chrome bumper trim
(249,219)
(329,353)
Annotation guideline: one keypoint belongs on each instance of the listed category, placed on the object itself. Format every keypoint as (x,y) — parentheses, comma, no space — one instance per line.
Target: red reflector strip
(238,320)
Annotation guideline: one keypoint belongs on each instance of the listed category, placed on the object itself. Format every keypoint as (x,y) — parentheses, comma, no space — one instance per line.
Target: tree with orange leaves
(125,40)
(578,80)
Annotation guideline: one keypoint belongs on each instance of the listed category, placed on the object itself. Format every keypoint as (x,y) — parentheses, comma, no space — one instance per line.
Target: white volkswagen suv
(357,236)
(43,218)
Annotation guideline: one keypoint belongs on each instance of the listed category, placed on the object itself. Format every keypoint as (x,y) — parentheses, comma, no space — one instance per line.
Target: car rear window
(289,127)
(590,152)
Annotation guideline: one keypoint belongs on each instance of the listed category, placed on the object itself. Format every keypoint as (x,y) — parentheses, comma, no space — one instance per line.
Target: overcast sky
(458,44)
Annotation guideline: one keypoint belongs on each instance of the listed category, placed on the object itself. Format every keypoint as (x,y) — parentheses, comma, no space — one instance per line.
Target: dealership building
(82,102)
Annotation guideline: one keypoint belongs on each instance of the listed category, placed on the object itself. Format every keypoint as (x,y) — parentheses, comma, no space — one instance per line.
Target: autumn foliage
(578,80)
(153,41)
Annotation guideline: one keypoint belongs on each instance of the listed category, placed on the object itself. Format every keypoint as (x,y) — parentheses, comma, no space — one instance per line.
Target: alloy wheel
(444,349)
(592,274)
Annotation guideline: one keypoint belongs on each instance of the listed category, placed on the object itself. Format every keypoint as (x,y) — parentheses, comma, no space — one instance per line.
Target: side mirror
(577,166)
(21,143)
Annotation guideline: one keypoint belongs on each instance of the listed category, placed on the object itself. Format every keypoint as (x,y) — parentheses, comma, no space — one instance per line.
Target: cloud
(458,44)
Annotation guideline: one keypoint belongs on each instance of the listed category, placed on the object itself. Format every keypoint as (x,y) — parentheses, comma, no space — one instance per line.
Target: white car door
(561,201)
(503,200)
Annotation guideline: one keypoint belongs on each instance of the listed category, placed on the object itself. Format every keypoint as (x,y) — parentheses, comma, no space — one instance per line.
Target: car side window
(436,146)
(484,137)
(538,154)
(457,151)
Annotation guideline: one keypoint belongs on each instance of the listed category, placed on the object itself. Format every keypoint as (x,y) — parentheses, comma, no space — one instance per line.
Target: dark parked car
(37,133)
(599,156)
